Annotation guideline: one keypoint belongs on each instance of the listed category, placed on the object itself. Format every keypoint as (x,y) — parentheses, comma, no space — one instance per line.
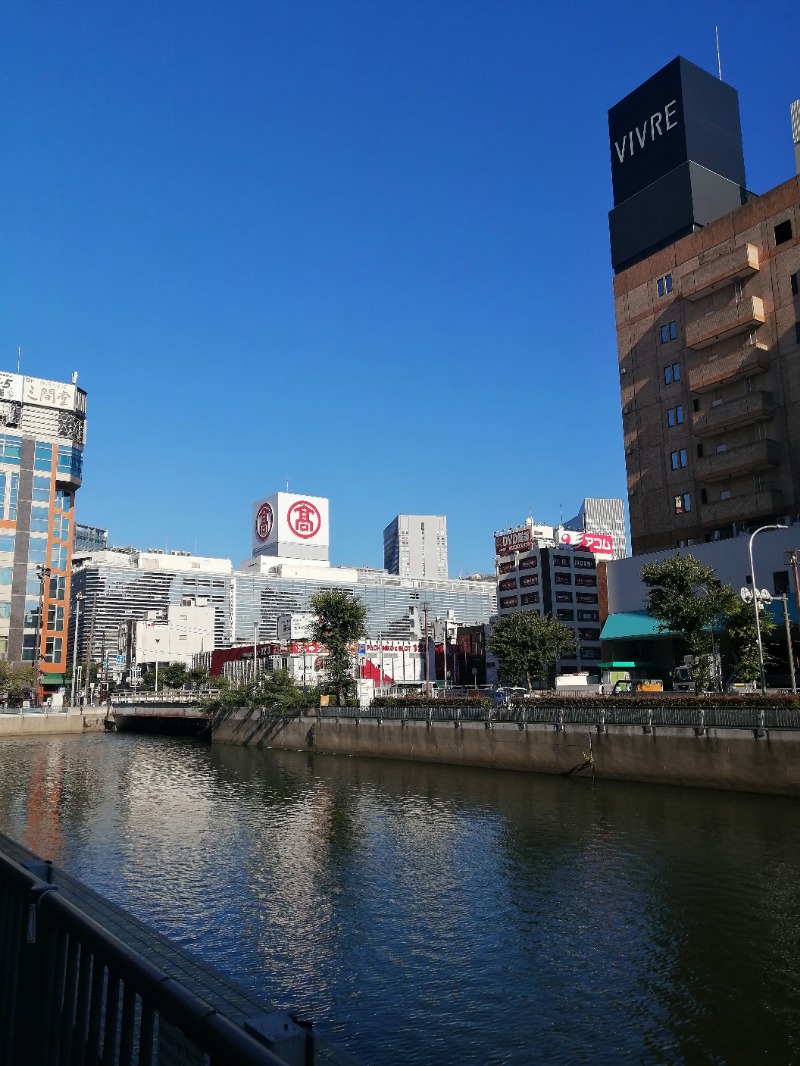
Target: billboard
(599,543)
(295,626)
(291,526)
(513,540)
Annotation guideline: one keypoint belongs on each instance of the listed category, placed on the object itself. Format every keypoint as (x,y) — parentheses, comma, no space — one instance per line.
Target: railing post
(601,722)
(34,977)
(700,728)
(647,728)
(759,732)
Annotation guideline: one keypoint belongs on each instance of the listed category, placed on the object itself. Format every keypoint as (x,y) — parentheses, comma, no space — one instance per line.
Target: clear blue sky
(358,244)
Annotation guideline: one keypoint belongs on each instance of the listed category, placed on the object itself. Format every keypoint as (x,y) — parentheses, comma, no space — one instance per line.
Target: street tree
(16,683)
(341,620)
(173,675)
(688,600)
(527,646)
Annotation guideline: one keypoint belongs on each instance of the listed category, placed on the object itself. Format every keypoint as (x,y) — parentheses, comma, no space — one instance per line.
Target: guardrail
(73,992)
(753,718)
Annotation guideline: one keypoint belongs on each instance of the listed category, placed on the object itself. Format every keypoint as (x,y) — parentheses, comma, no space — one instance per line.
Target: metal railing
(71,992)
(599,715)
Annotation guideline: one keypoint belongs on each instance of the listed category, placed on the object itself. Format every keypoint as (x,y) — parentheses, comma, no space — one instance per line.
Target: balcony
(744,363)
(760,455)
(745,314)
(756,407)
(747,507)
(724,270)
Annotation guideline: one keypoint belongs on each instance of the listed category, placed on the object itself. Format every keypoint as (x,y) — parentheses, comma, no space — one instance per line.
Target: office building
(89,539)
(415,545)
(41,459)
(604,516)
(707,307)
(539,570)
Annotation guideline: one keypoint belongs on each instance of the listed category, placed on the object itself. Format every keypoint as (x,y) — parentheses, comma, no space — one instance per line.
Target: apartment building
(707,303)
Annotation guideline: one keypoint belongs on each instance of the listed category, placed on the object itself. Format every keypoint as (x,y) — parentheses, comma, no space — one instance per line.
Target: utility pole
(785,602)
(790,559)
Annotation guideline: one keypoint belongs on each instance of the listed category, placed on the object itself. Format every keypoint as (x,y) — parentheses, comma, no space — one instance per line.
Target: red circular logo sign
(304,519)
(264,520)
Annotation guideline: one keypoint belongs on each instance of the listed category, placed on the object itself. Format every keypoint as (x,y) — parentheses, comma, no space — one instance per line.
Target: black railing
(600,715)
(71,992)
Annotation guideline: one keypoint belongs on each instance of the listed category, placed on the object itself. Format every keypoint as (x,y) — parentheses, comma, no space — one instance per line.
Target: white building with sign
(290,527)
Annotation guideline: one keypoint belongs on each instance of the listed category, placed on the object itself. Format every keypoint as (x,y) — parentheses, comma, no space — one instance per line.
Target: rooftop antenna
(719,62)
(287,484)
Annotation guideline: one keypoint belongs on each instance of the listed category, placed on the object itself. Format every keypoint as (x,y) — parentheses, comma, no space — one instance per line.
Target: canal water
(432,914)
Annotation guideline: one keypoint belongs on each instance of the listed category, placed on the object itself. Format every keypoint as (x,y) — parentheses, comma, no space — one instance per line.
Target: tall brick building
(707,301)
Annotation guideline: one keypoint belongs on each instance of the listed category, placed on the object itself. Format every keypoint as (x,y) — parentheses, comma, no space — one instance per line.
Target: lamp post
(79,598)
(756,605)
(155,690)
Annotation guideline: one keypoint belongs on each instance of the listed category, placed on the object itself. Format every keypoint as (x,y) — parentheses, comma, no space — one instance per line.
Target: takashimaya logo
(264,520)
(304,519)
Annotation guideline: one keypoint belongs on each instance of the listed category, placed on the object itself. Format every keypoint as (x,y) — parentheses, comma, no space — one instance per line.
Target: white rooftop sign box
(287,526)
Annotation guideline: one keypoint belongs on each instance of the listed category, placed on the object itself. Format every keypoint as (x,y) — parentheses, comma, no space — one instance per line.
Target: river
(434,914)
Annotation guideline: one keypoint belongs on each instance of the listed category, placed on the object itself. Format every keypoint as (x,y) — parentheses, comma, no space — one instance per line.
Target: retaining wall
(724,758)
(27,723)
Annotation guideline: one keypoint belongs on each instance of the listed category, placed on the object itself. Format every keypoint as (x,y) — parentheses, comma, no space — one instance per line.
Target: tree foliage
(16,683)
(527,646)
(690,601)
(173,675)
(341,620)
(274,691)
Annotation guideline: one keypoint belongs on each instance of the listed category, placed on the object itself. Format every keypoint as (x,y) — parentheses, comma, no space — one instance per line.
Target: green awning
(52,679)
(632,625)
(638,665)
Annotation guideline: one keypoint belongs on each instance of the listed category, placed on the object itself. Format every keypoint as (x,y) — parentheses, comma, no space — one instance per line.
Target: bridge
(82,982)
(171,717)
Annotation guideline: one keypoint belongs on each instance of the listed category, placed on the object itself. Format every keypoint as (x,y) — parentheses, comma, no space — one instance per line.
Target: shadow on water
(442,914)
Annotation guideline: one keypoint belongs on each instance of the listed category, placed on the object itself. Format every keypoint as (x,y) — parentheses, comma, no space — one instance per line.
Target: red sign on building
(264,520)
(304,519)
(513,540)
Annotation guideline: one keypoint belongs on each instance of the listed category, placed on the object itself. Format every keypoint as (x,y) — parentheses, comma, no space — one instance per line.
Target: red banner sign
(513,540)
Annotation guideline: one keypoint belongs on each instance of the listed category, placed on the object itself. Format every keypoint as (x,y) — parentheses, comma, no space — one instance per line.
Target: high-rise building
(41,460)
(415,545)
(602,516)
(708,318)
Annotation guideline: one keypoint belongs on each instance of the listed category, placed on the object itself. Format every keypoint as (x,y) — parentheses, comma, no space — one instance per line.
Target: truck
(636,687)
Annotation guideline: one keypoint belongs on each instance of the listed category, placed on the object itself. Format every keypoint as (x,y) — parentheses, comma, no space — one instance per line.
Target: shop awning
(632,625)
(52,679)
(629,665)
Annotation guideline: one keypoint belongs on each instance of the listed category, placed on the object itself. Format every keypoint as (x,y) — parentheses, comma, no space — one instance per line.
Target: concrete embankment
(723,758)
(36,723)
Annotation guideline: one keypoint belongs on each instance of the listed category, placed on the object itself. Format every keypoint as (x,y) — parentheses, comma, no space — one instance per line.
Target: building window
(506,568)
(562,579)
(6,573)
(672,373)
(5,608)
(41,490)
(61,526)
(13,497)
(699,451)
(528,564)
(55,619)
(585,579)
(565,616)
(39,519)
(507,584)
(529,597)
(588,616)
(675,415)
(703,496)
(52,650)
(678,459)
(58,588)
(10,448)
(683,503)
(37,550)
(586,597)
(530,580)
(664,285)
(589,634)
(43,456)
(591,653)
(6,542)
(63,500)
(797,332)
(793,280)
(508,601)
(582,563)
(58,556)
(783,232)
(70,461)
(563,597)
(561,560)
(669,331)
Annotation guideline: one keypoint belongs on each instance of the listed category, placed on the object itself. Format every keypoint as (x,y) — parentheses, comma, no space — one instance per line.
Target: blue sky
(359,245)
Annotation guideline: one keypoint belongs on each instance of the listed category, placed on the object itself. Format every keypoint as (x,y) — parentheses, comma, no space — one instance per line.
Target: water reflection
(436,914)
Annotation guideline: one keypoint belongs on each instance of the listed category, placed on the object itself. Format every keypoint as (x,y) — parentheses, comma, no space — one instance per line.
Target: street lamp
(156,640)
(761,529)
(79,598)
